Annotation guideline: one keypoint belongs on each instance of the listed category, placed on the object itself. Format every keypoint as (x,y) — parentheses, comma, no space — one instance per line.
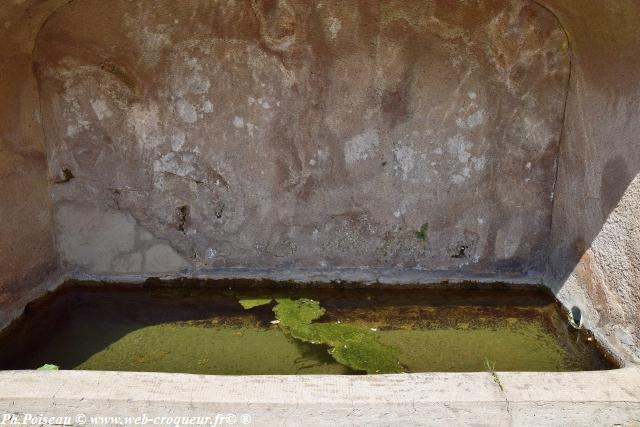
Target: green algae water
(231,328)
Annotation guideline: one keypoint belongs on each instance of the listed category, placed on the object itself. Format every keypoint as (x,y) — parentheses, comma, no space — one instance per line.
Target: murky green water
(206,331)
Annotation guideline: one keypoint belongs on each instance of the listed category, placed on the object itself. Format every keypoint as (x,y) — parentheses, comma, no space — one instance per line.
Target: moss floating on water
(249,303)
(359,348)
(297,315)
(354,346)
(48,367)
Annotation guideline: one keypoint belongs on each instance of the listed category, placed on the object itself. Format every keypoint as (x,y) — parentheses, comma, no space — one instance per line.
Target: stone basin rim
(617,385)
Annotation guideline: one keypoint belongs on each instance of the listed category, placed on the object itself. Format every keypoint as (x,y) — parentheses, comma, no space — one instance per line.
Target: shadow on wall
(594,259)
(27,246)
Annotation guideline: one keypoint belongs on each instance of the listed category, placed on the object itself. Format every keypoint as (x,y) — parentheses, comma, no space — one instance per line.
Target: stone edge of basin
(542,398)
(365,275)
(368,275)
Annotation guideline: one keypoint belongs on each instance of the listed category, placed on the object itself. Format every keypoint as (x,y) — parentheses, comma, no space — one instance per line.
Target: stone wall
(199,134)
(595,254)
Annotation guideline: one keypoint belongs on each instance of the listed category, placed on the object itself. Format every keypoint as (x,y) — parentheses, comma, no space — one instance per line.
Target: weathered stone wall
(27,249)
(278,134)
(281,133)
(595,253)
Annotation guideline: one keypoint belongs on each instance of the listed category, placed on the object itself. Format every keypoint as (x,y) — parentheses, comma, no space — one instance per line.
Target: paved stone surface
(540,399)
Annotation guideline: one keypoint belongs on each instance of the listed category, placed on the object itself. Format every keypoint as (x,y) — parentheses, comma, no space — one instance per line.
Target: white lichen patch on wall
(101,109)
(361,147)
(473,121)
(405,158)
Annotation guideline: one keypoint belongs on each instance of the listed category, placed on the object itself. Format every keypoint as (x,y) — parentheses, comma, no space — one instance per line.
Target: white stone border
(540,398)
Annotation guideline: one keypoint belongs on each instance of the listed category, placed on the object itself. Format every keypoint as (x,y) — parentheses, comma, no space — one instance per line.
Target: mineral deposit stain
(283,328)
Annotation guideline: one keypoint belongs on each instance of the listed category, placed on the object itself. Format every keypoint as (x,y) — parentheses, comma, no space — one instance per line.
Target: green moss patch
(422,234)
(298,314)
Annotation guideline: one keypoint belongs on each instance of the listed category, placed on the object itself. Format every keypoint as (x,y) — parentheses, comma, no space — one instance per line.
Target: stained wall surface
(27,249)
(413,134)
(595,253)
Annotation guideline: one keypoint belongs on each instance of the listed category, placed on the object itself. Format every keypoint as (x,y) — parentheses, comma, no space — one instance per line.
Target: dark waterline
(199,327)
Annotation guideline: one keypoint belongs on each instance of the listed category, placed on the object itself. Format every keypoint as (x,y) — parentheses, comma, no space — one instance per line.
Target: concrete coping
(482,398)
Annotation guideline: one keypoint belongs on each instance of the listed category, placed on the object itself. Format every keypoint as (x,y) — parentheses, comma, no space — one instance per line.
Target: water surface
(201,328)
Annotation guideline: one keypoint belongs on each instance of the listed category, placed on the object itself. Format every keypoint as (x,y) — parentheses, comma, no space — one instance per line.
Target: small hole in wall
(576,317)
